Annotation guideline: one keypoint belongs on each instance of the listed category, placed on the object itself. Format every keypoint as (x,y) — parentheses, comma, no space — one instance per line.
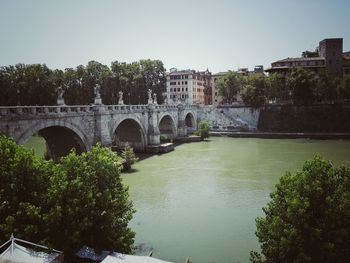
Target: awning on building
(19,253)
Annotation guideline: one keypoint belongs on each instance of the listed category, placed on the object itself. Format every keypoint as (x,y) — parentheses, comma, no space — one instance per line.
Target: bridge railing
(19,110)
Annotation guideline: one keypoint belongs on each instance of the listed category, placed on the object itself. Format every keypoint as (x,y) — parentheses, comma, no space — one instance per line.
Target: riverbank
(282,135)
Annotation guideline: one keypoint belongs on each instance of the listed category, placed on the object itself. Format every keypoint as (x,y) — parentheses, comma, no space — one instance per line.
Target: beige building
(187,86)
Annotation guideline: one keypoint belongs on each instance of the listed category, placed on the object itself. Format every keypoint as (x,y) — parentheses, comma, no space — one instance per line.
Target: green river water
(201,200)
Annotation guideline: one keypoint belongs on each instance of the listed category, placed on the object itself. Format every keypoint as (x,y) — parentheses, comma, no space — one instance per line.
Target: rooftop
(299,59)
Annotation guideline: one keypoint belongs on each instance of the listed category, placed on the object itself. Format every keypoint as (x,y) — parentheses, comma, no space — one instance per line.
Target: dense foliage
(37,84)
(80,201)
(254,92)
(129,157)
(229,86)
(24,186)
(308,217)
(204,129)
(299,86)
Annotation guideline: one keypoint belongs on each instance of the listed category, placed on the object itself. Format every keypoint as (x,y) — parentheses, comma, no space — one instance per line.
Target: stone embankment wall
(232,118)
(316,118)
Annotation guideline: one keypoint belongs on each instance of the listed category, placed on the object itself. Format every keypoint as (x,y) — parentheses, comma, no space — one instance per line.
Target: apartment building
(188,86)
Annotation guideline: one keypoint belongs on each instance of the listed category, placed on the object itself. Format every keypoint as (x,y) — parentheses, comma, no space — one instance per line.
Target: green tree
(129,157)
(204,129)
(326,88)
(24,182)
(80,201)
(90,205)
(277,89)
(344,89)
(229,86)
(302,84)
(27,85)
(308,217)
(254,91)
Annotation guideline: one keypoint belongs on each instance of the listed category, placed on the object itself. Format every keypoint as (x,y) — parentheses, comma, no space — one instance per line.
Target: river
(200,201)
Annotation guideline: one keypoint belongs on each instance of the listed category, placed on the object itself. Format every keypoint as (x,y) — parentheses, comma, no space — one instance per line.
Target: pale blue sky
(219,35)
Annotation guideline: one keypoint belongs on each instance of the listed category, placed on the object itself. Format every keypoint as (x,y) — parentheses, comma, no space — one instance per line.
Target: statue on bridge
(120,101)
(60,99)
(98,100)
(150,101)
(155,99)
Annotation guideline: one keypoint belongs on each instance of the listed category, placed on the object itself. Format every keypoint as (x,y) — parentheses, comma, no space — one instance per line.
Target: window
(186,82)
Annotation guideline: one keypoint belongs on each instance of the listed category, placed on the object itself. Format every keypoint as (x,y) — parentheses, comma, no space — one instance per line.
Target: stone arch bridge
(65,127)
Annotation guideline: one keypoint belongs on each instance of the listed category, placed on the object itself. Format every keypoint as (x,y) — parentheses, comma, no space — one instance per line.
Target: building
(188,86)
(328,56)
(198,87)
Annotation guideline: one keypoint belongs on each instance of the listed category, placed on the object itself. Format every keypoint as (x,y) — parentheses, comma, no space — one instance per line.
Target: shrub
(129,157)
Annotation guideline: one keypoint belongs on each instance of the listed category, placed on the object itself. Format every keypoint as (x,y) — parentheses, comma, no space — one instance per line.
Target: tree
(326,88)
(277,89)
(204,129)
(90,205)
(80,201)
(302,84)
(344,89)
(229,86)
(24,182)
(308,217)
(27,85)
(129,157)
(37,85)
(254,91)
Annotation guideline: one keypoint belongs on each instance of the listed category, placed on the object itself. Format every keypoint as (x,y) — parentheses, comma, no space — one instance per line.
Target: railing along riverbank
(282,135)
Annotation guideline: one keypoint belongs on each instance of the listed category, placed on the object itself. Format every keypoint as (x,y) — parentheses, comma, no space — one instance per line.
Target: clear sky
(216,34)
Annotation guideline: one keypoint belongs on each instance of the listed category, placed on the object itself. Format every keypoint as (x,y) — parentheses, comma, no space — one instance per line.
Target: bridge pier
(181,126)
(153,129)
(101,134)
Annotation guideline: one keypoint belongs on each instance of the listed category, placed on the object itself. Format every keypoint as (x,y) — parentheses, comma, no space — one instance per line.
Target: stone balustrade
(70,109)
(45,110)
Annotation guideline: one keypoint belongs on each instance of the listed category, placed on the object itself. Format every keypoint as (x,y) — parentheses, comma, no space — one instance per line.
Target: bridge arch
(129,130)
(167,127)
(60,136)
(190,121)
